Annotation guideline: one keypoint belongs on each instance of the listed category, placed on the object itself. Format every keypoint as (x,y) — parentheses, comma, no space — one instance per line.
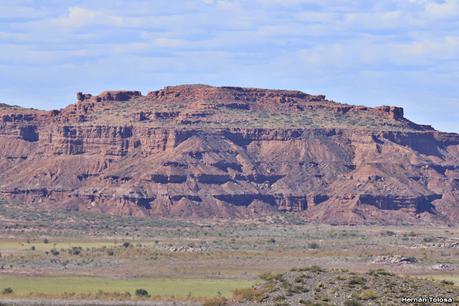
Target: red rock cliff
(197,151)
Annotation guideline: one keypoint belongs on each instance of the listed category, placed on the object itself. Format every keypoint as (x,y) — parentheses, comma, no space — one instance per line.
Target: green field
(9,245)
(57,286)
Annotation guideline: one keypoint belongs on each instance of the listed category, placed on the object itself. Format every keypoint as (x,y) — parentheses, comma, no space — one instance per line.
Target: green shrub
(357,280)
(380,272)
(126,244)
(75,250)
(447,282)
(141,292)
(368,295)
(7,291)
(267,276)
(352,302)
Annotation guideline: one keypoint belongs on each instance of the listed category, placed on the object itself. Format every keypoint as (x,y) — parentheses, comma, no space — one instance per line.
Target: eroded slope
(201,151)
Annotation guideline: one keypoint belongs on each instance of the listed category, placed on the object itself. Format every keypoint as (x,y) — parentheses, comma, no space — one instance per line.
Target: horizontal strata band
(227,152)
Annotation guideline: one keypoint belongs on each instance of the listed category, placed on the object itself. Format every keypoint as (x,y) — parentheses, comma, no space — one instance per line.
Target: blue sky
(395,52)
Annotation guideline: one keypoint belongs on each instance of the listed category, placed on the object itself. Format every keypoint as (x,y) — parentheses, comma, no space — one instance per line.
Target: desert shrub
(357,280)
(279,277)
(55,252)
(279,298)
(352,302)
(141,292)
(380,272)
(7,291)
(267,276)
(388,233)
(299,289)
(126,244)
(314,246)
(110,253)
(216,301)
(368,295)
(68,295)
(315,269)
(75,250)
(45,241)
(299,279)
(447,282)
(245,294)
(251,294)
(309,303)
(33,248)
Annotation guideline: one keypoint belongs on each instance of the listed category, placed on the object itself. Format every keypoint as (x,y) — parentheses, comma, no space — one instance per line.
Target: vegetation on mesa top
(224,117)
(207,107)
(223,114)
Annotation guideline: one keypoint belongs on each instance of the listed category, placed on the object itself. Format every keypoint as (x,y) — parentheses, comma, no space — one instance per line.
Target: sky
(386,52)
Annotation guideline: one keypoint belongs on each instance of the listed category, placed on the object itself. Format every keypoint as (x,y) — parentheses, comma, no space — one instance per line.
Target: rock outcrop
(196,151)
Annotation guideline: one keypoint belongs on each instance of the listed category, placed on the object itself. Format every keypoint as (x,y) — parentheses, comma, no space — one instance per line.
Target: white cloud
(80,17)
(280,43)
(446,9)
(439,48)
(170,42)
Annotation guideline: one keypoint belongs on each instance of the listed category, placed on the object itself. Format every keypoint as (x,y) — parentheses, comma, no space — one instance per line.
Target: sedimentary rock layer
(197,151)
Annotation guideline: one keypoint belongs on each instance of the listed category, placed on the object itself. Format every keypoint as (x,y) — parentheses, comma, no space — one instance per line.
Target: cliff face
(197,151)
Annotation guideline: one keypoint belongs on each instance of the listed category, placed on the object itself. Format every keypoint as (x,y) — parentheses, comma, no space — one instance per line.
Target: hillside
(196,151)
(316,286)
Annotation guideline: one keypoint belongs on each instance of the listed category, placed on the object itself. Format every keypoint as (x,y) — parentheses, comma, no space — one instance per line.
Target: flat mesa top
(208,107)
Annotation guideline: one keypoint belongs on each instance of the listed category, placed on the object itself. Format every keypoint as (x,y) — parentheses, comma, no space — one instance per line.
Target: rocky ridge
(318,286)
(196,151)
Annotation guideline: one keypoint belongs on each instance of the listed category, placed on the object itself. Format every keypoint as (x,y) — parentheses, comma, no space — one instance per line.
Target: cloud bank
(362,52)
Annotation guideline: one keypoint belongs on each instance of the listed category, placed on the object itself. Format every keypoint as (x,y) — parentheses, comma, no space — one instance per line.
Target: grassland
(60,254)
(73,285)
(448,277)
(18,245)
